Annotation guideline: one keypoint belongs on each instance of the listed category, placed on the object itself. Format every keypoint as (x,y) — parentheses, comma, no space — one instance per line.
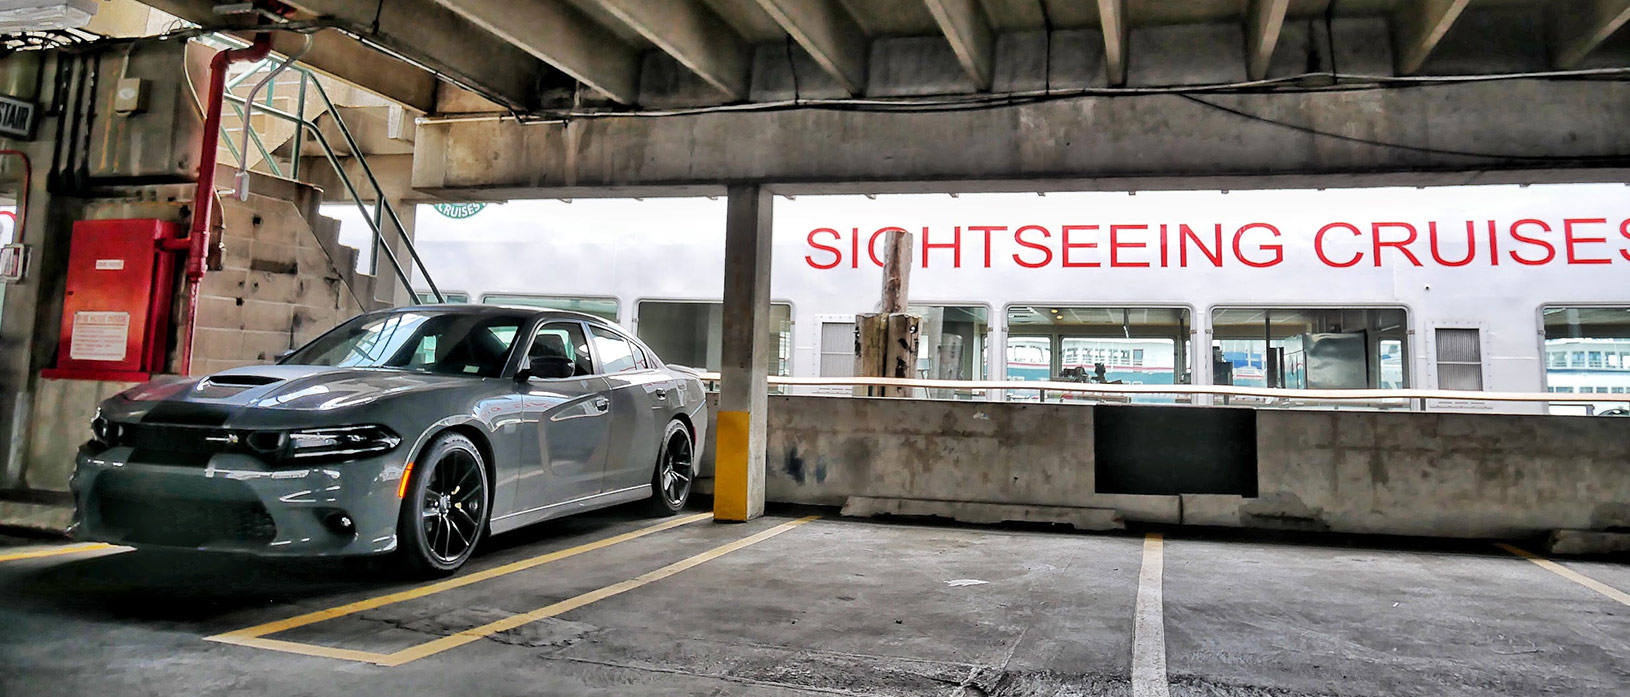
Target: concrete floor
(833,606)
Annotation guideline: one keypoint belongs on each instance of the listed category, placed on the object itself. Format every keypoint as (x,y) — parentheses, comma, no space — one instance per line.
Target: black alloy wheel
(676,467)
(444,513)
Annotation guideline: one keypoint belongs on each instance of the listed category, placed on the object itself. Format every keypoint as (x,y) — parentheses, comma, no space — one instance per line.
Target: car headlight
(342,443)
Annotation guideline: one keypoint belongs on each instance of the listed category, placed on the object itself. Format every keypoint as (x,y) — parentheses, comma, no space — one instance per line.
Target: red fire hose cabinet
(116,312)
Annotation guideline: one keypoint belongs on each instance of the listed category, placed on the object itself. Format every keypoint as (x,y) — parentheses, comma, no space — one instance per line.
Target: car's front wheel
(676,467)
(444,509)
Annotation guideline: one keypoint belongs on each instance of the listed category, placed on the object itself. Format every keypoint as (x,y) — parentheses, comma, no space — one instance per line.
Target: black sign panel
(16,118)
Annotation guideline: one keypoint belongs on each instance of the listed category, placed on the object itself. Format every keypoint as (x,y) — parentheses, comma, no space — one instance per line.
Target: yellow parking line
(1568,573)
(54,551)
(303,649)
(456,640)
(236,637)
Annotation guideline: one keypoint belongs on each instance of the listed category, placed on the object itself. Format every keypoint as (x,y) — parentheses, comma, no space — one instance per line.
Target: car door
(639,395)
(566,404)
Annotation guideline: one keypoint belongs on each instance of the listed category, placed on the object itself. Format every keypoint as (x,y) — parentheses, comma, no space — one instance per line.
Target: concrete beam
(964,24)
(1264,22)
(1417,29)
(562,36)
(440,40)
(694,36)
(1112,18)
(1145,141)
(343,58)
(1581,28)
(335,55)
(829,34)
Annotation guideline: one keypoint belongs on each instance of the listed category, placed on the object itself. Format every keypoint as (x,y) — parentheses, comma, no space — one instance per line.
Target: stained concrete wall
(1461,475)
(1446,475)
(282,281)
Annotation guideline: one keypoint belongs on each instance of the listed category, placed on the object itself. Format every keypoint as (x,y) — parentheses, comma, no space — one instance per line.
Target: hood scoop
(223,386)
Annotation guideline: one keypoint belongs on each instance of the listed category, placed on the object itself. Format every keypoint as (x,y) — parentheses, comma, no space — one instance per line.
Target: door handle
(602,404)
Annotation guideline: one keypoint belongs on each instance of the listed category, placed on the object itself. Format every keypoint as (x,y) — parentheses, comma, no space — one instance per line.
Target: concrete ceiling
(635,54)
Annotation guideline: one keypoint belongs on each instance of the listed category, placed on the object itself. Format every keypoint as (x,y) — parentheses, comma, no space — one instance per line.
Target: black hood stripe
(181,412)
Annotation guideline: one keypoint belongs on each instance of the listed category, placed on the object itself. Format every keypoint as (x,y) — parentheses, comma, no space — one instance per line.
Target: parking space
(795,604)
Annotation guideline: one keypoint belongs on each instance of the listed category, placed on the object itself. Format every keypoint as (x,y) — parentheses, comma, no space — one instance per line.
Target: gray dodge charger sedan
(412,431)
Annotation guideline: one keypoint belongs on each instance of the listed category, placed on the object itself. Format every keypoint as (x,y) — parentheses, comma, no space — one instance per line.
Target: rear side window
(616,355)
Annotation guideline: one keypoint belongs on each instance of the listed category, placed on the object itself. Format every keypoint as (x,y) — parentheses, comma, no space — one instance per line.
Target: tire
(446,509)
(675,470)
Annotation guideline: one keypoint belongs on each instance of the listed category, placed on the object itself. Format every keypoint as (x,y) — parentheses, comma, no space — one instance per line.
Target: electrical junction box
(116,311)
(13,262)
(130,96)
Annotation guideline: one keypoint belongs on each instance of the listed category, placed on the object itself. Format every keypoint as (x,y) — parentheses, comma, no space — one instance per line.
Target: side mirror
(524,372)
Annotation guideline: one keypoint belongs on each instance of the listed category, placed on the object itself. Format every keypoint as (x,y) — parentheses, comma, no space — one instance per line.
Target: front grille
(179,445)
(218,510)
(179,439)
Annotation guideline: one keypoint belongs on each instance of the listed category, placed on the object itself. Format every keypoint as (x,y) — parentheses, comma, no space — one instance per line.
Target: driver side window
(559,350)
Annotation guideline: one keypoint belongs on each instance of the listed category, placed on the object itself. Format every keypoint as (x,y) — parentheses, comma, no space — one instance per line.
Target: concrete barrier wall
(1449,475)
(1458,475)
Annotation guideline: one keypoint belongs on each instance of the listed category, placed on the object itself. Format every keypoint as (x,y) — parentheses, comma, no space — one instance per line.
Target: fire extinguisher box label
(100,336)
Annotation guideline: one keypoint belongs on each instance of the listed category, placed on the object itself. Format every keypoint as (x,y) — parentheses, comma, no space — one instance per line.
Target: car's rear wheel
(444,511)
(676,467)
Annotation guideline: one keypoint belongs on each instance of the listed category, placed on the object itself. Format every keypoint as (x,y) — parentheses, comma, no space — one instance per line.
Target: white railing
(1396,398)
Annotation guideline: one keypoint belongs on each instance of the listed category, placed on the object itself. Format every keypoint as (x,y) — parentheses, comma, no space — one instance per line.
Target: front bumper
(237,503)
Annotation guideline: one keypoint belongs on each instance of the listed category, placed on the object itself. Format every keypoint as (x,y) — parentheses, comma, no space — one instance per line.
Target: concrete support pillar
(743,386)
(32,308)
(393,293)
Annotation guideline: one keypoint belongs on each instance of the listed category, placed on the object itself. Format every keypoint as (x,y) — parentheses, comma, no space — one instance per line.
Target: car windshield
(448,343)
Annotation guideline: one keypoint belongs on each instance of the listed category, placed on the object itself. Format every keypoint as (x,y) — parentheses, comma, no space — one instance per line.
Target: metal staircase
(284,113)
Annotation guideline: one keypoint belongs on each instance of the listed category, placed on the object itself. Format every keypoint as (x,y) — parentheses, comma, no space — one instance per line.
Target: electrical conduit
(196,243)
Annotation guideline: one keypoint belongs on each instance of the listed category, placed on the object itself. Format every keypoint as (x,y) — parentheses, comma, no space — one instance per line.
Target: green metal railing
(309,85)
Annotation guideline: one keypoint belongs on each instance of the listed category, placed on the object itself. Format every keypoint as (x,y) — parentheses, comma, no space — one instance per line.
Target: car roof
(482,308)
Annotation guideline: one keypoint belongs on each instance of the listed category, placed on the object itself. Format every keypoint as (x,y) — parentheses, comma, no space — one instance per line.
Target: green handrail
(382,209)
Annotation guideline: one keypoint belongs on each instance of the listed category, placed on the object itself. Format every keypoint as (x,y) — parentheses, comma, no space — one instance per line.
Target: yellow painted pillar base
(731,454)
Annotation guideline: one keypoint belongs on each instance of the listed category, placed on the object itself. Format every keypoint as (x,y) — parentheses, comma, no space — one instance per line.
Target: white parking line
(1149,626)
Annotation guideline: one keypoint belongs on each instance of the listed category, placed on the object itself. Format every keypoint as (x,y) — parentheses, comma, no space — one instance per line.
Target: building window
(1597,343)
(1111,345)
(1310,348)
(951,345)
(604,308)
(692,333)
(426,297)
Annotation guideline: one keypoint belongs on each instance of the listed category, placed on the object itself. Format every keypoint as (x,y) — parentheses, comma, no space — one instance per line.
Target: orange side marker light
(401,489)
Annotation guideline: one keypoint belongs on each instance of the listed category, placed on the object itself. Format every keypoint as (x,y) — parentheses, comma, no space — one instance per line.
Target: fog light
(340,523)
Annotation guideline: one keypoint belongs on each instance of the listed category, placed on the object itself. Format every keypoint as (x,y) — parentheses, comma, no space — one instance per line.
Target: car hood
(282,387)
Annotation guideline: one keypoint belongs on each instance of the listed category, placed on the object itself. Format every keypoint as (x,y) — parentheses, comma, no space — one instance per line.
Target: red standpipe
(22,194)
(196,243)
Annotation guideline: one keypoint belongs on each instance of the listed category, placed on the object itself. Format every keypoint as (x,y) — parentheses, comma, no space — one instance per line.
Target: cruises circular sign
(459,211)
